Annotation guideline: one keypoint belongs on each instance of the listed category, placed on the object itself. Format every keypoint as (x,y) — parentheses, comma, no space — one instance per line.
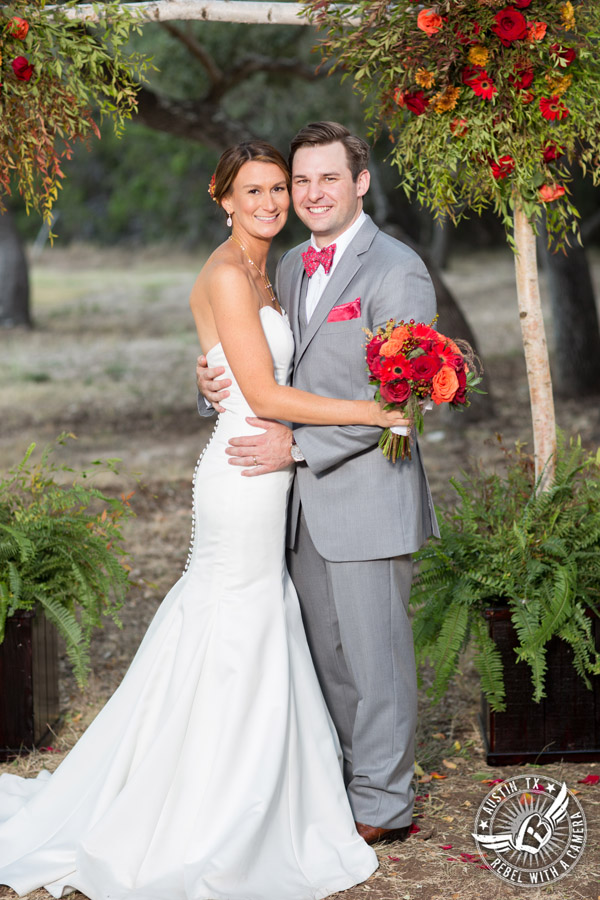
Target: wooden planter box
(564,725)
(28,683)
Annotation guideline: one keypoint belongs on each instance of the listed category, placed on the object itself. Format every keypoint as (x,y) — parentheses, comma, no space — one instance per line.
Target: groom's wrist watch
(296,452)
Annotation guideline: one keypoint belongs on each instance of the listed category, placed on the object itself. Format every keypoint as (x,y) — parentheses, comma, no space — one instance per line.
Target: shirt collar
(343,241)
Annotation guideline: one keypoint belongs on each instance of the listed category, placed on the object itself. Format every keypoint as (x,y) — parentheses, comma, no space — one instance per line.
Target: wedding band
(255,461)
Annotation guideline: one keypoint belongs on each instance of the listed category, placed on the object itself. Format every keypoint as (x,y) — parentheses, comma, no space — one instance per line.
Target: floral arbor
(485,104)
(53,71)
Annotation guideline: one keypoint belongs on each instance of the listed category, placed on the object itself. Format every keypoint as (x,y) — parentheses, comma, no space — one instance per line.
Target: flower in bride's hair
(211,188)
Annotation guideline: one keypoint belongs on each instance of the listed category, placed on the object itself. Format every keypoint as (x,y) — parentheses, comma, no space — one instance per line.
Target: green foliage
(479,113)
(540,553)
(54,72)
(61,547)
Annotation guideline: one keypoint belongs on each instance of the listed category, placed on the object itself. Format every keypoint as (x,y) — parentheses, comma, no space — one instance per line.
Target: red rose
(552,151)
(374,359)
(564,56)
(18,28)
(522,78)
(395,391)
(510,25)
(395,367)
(471,73)
(460,396)
(373,348)
(503,167)
(426,366)
(454,360)
(552,108)
(549,192)
(468,38)
(416,102)
(22,68)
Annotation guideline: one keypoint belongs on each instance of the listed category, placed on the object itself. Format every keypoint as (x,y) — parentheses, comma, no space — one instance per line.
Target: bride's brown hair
(234,158)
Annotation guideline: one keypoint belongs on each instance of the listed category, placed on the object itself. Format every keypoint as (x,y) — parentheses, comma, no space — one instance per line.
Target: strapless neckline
(282,315)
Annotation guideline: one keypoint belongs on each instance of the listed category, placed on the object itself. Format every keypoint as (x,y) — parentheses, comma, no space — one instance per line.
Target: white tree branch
(246,11)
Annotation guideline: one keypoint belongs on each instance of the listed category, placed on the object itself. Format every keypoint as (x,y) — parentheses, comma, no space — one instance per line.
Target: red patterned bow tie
(313,258)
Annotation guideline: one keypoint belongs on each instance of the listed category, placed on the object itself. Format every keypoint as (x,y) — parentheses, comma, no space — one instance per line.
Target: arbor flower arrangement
(412,364)
(485,102)
(56,75)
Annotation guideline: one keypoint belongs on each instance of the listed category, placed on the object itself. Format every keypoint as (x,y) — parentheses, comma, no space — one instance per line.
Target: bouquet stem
(394,445)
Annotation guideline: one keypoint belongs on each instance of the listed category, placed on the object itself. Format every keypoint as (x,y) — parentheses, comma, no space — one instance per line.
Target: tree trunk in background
(14,279)
(536,351)
(574,319)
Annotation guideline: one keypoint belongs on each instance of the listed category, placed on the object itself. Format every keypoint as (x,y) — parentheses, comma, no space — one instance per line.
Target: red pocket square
(345,311)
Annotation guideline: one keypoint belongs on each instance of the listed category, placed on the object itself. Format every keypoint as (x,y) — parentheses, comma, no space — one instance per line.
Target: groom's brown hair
(319,134)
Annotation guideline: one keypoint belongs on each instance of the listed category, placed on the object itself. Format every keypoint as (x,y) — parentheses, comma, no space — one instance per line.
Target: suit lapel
(292,300)
(341,277)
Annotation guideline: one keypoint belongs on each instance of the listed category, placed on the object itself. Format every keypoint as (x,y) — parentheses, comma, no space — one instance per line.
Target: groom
(355,518)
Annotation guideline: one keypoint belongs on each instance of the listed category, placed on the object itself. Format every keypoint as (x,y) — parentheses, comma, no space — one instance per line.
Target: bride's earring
(229,220)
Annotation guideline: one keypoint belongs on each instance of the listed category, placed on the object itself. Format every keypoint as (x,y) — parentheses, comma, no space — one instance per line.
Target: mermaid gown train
(213,771)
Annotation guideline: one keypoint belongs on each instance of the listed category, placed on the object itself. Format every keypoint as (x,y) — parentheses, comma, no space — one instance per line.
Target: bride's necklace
(263,275)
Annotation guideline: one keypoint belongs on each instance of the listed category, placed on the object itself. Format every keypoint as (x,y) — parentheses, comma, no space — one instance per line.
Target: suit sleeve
(404,292)
(204,409)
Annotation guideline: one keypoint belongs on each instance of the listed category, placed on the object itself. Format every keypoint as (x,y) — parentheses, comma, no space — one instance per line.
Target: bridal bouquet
(413,366)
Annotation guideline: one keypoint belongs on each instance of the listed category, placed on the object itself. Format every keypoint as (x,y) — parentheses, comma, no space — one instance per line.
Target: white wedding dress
(213,772)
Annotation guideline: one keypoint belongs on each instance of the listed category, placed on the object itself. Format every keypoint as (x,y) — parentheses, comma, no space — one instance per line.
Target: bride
(213,772)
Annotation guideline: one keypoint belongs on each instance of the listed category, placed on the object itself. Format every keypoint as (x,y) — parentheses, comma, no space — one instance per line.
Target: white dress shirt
(319,281)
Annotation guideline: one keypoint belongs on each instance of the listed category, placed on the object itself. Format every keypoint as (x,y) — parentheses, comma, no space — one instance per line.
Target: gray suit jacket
(357,504)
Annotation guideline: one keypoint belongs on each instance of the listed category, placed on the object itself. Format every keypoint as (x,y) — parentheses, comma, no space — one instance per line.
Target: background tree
(487,104)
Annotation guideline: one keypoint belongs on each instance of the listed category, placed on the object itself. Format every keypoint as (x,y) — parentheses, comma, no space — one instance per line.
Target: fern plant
(503,542)
(61,547)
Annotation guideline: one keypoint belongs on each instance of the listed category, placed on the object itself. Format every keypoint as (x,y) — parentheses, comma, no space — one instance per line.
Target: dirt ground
(111,359)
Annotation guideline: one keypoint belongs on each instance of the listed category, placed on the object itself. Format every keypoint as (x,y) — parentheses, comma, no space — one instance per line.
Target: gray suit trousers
(360,637)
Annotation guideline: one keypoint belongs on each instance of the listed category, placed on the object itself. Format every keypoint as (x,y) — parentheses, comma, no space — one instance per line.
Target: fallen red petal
(414,829)
(589,779)
(445,846)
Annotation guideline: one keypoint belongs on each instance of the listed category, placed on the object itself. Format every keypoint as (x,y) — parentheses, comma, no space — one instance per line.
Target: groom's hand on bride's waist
(266,451)
(213,390)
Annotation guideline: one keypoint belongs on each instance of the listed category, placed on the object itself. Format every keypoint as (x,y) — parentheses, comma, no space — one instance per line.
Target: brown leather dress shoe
(373,835)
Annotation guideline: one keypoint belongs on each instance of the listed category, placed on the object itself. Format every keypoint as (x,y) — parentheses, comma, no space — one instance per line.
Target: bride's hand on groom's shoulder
(266,451)
(212,389)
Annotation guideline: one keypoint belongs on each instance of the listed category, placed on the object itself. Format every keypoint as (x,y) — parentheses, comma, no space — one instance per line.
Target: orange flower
(391,347)
(568,16)
(549,192)
(526,97)
(445,385)
(18,27)
(478,55)
(401,333)
(445,100)
(429,21)
(459,127)
(536,31)
(424,78)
